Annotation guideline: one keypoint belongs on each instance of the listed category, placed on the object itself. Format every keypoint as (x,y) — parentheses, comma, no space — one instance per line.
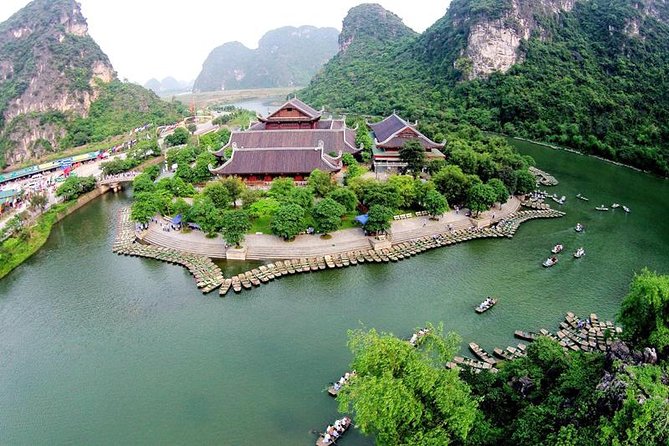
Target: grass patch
(16,250)
(261,224)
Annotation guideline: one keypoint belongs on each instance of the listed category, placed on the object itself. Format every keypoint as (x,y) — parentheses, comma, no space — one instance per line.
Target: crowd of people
(334,431)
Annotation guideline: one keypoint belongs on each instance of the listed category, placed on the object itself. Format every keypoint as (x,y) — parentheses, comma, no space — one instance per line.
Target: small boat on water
(557,248)
(615,205)
(416,337)
(579,227)
(626,209)
(334,389)
(487,304)
(581,197)
(550,262)
(333,432)
(601,207)
(525,335)
(481,354)
(580,252)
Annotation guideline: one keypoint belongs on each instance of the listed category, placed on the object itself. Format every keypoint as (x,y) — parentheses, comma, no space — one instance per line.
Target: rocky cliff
(370,21)
(285,57)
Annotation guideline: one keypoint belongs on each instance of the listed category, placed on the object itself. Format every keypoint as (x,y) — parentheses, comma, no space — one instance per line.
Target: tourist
(327,438)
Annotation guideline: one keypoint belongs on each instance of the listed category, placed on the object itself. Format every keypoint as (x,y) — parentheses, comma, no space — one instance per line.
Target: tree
(404,395)
(321,182)
(281,187)
(144,207)
(73,187)
(191,128)
(302,196)
(525,182)
(235,187)
(179,137)
(644,312)
(480,198)
(218,194)
(413,154)
(383,194)
(39,201)
(327,215)
(201,172)
(288,221)
(205,213)
(453,184)
(435,203)
(143,183)
(346,197)
(235,225)
(378,219)
(501,192)
(405,185)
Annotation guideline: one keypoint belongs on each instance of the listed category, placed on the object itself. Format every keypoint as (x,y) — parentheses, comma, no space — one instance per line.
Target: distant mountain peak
(372,21)
(287,56)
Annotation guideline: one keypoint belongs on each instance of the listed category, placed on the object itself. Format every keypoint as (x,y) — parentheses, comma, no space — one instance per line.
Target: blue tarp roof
(362,219)
(177,219)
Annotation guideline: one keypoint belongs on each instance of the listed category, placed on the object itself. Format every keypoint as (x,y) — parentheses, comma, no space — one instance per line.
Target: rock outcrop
(49,68)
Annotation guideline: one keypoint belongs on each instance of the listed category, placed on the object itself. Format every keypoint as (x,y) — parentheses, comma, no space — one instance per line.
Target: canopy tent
(362,219)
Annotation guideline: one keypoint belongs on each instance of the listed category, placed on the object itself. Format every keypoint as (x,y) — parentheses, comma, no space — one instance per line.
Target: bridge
(116,182)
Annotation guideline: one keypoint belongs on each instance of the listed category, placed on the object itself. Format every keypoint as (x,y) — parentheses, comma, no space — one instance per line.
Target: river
(102,349)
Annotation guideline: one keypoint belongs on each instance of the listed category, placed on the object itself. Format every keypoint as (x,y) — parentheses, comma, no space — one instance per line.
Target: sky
(153,39)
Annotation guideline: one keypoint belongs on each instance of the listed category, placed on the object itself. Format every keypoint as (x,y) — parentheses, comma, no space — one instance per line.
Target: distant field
(205,99)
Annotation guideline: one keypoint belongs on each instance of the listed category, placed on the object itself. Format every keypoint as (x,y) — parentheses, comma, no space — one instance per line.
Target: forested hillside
(591,75)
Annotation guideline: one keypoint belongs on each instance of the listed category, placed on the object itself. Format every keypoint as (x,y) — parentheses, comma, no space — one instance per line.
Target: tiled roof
(309,111)
(333,140)
(278,161)
(388,127)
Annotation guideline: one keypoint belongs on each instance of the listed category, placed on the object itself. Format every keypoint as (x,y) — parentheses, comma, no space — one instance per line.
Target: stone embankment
(207,275)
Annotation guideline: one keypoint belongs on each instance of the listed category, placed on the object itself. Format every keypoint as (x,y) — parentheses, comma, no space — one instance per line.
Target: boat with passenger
(579,227)
(580,252)
(487,304)
(557,248)
(550,262)
(581,197)
(417,336)
(615,205)
(626,209)
(336,386)
(601,207)
(333,432)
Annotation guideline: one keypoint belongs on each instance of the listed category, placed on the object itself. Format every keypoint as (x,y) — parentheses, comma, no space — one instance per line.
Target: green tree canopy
(218,194)
(321,183)
(346,197)
(644,312)
(206,214)
(413,154)
(453,183)
(235,224)
(288,221)
(525,182)
(73,187)
(403,395)
(435,203)
(480,198)
(501,192)
(379,218)
(143,183)
(235,187)
(179,137)
(145,206)
(281,187)
(327,215)
(201,171)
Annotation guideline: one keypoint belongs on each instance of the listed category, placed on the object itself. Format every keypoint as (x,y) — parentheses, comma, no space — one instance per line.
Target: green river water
(101,349)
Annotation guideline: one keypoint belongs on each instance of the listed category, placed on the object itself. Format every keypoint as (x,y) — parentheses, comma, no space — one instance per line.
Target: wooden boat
(416,337)
(601,208)
(580,252)
(615,205)
(503,354)
(525,335)
(481,354)
(550,262)
(345,423)
(485,305)
(334,389)
(626,209)
(579,227)
(557,248)
(581,197)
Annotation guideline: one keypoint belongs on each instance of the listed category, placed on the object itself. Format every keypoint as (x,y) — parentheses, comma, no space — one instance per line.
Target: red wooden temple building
(390,135)
(291,142)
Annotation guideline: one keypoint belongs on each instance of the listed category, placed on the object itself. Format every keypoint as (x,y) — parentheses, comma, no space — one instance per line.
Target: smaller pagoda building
(291,142)
(390,135)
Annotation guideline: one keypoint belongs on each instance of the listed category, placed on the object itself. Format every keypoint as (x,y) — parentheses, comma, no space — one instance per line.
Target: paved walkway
(264,246)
